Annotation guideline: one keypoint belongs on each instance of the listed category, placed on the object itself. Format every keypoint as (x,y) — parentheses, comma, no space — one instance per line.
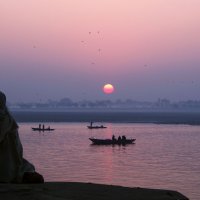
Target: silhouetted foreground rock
(82,191)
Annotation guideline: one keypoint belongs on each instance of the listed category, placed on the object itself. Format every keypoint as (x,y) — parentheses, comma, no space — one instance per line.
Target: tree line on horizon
(128,103)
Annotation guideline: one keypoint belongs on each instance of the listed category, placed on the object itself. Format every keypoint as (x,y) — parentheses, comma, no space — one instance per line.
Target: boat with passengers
(112,141)
(42,128)
(95,127)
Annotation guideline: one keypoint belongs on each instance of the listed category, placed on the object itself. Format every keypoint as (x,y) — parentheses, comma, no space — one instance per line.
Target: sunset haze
(148,49)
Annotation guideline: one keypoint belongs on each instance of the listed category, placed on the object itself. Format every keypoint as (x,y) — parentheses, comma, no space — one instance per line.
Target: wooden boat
(111,142)
(41,129)
(96,127)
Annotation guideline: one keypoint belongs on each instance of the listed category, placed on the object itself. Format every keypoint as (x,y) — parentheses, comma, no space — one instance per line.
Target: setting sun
(108,89)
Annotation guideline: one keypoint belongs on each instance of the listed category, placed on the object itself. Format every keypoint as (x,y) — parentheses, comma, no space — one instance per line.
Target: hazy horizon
(148,49)
(45,99)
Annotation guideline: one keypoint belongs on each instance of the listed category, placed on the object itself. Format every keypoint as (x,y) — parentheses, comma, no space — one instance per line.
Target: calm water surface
(164,156)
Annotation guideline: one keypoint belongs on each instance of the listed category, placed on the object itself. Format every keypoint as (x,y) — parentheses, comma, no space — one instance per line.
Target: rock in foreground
(82,191)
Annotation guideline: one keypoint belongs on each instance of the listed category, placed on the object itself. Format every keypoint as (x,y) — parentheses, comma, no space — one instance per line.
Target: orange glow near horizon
(108,89)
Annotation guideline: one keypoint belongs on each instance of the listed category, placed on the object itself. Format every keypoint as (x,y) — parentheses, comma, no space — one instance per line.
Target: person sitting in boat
(119,139)
(123,138)
(13,167)
(113,138)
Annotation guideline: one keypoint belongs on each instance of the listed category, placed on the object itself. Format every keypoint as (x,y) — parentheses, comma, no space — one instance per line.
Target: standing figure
(13,167)
(91,123)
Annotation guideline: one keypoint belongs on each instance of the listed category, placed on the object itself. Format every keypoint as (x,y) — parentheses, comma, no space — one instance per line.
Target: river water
(163,156)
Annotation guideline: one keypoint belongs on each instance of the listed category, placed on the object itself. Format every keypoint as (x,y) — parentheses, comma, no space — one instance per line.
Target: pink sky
(69,48)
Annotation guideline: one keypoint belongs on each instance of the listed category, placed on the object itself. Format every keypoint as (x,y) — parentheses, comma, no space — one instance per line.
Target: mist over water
(164,156)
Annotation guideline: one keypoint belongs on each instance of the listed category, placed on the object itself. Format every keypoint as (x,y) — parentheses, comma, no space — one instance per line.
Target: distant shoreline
(189,118)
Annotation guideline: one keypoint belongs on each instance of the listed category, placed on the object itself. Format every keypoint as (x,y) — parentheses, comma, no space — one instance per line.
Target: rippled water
(164,156)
